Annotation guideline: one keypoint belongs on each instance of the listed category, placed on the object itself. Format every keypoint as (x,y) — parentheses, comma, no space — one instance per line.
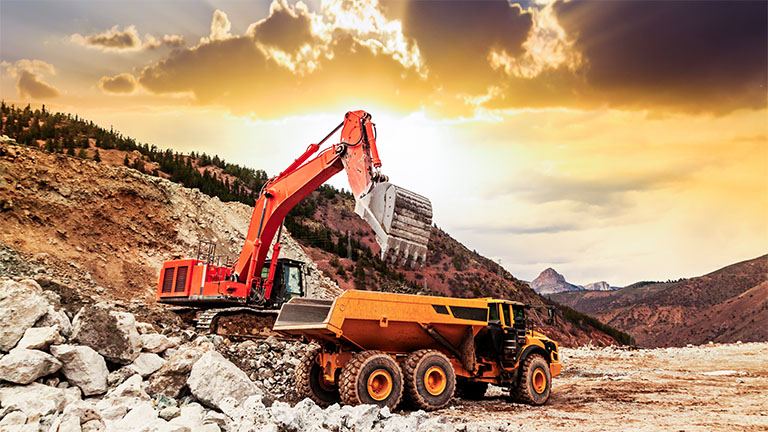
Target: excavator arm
(401,219)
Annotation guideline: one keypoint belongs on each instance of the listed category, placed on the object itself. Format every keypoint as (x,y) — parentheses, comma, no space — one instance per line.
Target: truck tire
(535,381)
(471,390)
(429,379)
(371,377)
(310,382)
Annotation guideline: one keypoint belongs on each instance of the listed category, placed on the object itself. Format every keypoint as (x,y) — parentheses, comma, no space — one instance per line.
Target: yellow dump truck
(376,348)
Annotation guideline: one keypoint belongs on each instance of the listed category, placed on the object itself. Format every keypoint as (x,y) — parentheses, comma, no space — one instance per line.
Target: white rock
(53,318)
(146,364)
(83,367)
(139,419)
(156,343)
(40,338)
(21,305)
(22,366)
(35,400)
(14,418)
(122,399)
(214,379)
(112,334)
(145,328)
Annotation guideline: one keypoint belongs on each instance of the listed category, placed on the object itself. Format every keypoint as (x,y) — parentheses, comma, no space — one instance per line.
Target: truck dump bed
(396,323)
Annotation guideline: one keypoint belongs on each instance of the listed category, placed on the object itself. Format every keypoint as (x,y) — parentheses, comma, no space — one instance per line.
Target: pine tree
(82,154)
(126,161)
(97,156)
(70,151)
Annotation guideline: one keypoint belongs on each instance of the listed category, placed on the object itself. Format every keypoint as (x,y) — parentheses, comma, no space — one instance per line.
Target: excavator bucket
(401,219)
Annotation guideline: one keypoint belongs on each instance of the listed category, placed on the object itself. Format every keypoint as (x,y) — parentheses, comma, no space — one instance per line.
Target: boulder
(52,318)
(115,378)
(40,338)
(22,366)
(112,334)
(83,367)
(215,381)
(156,343)
(21,305)
(145,328)
(122,399)
(171,379)
(35,400)
(146,364)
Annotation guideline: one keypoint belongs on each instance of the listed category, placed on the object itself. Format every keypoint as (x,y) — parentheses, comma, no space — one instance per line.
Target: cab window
(292,281)
(507,321)
(519,316)
(493,312)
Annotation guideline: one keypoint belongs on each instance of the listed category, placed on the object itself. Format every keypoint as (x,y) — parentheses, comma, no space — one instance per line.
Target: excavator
(257,286)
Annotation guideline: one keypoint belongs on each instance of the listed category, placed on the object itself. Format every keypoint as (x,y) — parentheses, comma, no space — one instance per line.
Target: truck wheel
(310,381)
(371,377)
(429,379)
(471,390)
(535,381)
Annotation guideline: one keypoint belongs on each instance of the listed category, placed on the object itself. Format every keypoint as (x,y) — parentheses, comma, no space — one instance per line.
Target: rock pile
(105,371)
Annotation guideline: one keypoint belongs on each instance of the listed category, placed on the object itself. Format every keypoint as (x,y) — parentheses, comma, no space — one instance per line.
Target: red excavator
(254,285)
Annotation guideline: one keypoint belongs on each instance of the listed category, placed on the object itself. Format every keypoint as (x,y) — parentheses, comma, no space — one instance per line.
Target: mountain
(598,286)
(550,281)
(106,229)
(727,305)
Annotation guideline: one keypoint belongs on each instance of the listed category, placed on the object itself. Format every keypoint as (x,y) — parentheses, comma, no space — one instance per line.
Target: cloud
(126,40)
(296,55)
(705,56)
(608,192)
(456,39)
(123,83)
(29,82)
(220,27)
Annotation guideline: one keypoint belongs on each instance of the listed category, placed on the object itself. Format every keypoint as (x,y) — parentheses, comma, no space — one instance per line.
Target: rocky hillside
(107,230)
(727,305)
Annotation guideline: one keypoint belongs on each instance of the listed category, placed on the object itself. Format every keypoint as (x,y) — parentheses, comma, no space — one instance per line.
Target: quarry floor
(696,388)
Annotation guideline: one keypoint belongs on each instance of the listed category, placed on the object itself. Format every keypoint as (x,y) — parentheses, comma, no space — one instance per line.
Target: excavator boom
(400,218)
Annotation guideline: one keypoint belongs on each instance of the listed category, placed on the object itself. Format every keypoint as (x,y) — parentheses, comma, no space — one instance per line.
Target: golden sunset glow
(616,141)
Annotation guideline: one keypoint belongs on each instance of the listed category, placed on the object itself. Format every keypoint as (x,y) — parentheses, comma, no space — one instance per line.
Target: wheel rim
(435,380)
(379,385)
(539,381)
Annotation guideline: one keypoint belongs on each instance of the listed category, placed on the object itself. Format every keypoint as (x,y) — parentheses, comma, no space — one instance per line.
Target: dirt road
(702,388)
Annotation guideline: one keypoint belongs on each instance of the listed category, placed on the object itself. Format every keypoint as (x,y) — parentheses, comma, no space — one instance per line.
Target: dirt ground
(701,388)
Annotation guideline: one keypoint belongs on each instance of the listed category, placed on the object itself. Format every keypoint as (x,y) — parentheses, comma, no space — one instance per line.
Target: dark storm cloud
(695,56)
(456,38)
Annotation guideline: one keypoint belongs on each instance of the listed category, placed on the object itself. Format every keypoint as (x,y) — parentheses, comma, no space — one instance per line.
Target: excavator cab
(289,280)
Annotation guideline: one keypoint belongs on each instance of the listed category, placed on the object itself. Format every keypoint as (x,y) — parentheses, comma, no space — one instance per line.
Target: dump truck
(254,285)
(378,348)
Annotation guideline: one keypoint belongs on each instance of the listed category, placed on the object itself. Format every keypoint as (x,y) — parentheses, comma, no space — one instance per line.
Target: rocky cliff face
(550,281)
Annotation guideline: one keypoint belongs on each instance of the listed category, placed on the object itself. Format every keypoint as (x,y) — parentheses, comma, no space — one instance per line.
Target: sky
(610,140)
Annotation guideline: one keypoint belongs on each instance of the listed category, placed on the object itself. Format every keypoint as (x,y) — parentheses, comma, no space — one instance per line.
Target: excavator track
(237,323)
